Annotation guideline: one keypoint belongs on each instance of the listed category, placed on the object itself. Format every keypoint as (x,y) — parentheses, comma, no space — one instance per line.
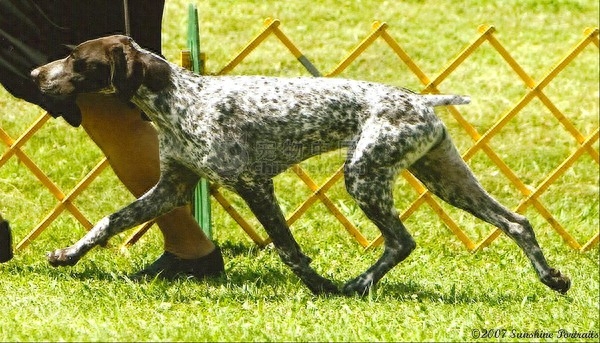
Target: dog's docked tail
(445,100)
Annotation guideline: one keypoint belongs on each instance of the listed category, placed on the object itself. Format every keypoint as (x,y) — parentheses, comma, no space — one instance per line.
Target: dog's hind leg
(445,174)
(370,170)
(373,192)
(173,190)
(261,199)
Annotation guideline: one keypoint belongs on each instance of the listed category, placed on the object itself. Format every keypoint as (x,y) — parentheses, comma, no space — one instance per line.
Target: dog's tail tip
(463,99)
(446,100)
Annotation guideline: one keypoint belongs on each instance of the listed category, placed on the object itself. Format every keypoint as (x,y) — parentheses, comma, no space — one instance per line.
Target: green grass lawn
(440,293)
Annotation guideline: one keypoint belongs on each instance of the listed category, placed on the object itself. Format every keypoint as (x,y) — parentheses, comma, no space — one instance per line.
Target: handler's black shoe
(169,266)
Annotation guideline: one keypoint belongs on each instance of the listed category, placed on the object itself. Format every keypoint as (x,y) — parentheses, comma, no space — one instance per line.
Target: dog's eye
(78,65)
(84,66)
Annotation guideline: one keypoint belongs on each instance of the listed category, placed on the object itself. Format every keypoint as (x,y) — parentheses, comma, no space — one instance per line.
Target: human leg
(131,146)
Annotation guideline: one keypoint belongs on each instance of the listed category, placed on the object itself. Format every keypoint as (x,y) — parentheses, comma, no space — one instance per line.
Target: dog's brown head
(113,64)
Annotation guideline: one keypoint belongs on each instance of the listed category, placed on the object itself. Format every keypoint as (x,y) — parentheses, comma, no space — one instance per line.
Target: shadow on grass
(233,249)
(273,283)
(80,272)
(236,272)
(246,269)
(415,292)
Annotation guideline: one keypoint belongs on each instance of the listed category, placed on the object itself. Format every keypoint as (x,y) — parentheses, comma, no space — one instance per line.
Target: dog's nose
(35,74)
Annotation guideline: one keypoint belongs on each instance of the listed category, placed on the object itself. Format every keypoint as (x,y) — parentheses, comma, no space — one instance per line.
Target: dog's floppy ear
(126,71)
(66,108)
(72,114)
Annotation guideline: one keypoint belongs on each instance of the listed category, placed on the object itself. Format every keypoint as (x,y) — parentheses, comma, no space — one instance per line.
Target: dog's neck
(164,107)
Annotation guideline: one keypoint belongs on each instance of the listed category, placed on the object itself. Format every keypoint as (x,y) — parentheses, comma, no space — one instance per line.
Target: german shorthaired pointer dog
(217,127)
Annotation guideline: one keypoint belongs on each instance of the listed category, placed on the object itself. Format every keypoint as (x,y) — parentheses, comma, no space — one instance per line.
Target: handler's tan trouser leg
(131,146)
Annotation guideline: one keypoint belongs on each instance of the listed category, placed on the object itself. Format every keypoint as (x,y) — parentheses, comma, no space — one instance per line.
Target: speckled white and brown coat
(241,131)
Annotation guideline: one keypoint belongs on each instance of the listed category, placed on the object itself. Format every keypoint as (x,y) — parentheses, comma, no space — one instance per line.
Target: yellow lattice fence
(480,142)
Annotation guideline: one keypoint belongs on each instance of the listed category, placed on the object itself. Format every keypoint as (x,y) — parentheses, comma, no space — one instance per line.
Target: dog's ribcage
(224,126)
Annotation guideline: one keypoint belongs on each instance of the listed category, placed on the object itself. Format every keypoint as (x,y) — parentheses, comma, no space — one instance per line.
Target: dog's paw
(557,281)
(359,286)
(61,257)
(322,286)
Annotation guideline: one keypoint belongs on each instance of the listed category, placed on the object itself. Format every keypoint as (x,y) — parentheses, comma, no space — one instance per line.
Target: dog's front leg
(172,190)
(261,199)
